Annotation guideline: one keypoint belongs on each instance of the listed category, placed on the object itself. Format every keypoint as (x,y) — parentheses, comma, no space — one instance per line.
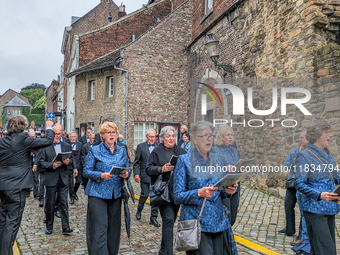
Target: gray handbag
(188,235)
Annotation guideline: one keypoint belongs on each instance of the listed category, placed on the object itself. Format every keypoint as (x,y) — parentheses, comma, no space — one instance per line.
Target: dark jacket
(83,139)
(157,159)
(77,158)
(15,158)
(84,151)
(97,139)
(46,157)
(141,159)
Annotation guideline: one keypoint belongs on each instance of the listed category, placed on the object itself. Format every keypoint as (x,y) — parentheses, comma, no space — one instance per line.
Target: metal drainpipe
(126,100)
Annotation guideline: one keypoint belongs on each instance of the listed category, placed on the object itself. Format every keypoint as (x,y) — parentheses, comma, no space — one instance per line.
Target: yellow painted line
(255,246)
(16,249)
(243,241)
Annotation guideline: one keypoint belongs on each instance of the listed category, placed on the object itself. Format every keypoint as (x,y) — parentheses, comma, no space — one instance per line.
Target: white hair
(165,130)
(151,129)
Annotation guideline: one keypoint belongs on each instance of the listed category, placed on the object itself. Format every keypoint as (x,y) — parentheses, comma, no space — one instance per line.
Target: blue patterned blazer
(313,182)
(100,159)
(186,184)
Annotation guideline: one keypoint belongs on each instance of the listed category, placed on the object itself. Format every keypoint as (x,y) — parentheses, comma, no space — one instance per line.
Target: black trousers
(71,184)
(321,233)
(42,187)
(290,201)
(60,192)
(145,188)
(78,180)
(12,206)
(211,243)
(232,205)
(36,184)
(103,225)
(168,214)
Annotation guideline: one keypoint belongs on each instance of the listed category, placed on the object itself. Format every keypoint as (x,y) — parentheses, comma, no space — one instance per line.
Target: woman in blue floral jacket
(192,183)
(317,182)
(104,192)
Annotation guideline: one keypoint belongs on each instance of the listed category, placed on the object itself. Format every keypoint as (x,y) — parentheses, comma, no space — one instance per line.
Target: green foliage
(39,118)
(4,117)
(40,104)
(33,95)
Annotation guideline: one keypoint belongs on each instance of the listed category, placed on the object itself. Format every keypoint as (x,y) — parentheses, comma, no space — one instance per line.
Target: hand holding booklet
(232,177)
(119,170)
(62,156)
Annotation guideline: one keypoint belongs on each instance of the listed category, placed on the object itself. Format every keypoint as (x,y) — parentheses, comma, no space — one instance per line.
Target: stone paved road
(260,217)
(31,239)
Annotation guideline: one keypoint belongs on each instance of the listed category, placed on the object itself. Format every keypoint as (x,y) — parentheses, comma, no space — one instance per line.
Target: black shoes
(138,214)
(67,231)
(76,198)
(155,223)
(283,232)
(48,232)
(57,214)
(297,242)
(41,203)
(72,201)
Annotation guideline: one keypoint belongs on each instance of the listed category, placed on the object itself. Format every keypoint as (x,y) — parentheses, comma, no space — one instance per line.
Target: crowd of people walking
(56,165)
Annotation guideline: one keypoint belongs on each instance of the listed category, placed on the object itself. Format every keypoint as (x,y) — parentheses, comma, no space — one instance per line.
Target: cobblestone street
(260,217)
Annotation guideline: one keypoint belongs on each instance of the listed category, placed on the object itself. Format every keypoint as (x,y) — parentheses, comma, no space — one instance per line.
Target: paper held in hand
(118,170)
(62,156)
(232,177)
(337,191)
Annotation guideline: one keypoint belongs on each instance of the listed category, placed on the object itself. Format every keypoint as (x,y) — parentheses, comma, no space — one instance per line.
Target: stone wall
(158,77)
(9,95)
(102,106)
(272,44)
(97,43)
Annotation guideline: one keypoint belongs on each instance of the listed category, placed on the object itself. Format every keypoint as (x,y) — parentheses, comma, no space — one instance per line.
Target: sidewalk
(260,217)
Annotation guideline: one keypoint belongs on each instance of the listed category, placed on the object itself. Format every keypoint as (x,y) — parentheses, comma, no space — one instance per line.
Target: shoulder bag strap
(323,164)
(205,199)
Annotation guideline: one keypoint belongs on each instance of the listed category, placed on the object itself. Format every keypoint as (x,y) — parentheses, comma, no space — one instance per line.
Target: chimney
(121,12)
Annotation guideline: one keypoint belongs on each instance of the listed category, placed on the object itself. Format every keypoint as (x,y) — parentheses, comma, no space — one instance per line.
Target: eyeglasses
(206,137)
(328,132)
(111,133)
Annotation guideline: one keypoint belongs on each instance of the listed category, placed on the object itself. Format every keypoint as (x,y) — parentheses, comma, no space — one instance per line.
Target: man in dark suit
(142,153)
(16,176)
(56,181)
(34,165)
(85,139)
(84,151)
(76,146)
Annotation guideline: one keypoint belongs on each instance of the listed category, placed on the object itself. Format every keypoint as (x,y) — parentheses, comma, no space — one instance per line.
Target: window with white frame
(208,6)
(16,112)
(92,90)
(140,129)
(110,86)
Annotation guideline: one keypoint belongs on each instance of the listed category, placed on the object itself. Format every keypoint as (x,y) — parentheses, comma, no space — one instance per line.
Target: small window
(208,6)
(92,90)
(110,86)
(140,129)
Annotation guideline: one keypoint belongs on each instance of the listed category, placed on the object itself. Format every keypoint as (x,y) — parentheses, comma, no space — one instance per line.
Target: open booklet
(232,177)
(122,170)
(173,160)
(337,191)
(76,152)
(62,156)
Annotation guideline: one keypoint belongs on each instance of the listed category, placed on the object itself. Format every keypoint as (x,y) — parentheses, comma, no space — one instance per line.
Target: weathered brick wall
(177,3)
(98,43)
(103,106)
(94,19)
(157,64)
(9,95)
(201,21)
(277,40)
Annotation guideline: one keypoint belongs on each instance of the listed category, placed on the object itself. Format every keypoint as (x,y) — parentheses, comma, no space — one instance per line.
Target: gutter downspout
(126,100)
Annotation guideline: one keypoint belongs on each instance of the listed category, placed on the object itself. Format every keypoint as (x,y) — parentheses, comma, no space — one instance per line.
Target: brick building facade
(269,44)
(157,80)
(9,95)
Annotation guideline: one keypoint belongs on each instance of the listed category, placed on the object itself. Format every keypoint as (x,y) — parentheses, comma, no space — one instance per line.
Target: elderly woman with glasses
(225,147)
(158,164)
(104,192)
(193,182)
(317,175)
